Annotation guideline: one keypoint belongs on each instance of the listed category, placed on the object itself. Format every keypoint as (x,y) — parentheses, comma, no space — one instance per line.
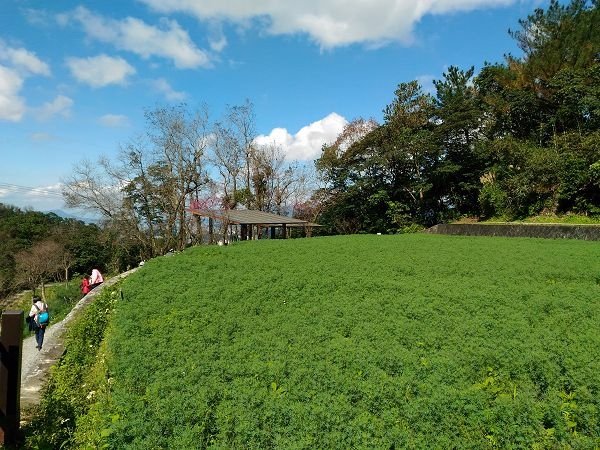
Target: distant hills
(67,215)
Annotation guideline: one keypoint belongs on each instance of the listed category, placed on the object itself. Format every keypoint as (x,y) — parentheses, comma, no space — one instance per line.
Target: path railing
(11,350)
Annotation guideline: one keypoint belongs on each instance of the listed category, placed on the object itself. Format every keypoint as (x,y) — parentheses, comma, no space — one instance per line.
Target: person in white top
(38,307)
(96,278)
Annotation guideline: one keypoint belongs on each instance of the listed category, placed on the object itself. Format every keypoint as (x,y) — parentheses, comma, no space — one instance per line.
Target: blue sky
(76,77)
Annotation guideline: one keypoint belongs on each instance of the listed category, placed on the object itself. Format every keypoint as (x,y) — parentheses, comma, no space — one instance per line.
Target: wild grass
(571,219)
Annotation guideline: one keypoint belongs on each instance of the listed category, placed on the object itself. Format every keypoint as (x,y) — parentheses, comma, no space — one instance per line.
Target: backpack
(43,318)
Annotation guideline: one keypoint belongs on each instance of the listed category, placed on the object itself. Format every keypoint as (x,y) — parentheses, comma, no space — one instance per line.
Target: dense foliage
(37,247)
(518,139)
(412,341)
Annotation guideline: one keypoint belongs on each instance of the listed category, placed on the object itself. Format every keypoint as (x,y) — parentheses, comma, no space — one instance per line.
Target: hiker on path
(95,279)
(85,285)
(39,314)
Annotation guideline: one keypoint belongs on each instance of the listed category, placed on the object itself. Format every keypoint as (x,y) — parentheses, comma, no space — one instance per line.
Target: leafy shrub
(492,200)
(411,228)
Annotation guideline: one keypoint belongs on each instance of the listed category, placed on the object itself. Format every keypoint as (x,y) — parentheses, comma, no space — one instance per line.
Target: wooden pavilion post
(11,348)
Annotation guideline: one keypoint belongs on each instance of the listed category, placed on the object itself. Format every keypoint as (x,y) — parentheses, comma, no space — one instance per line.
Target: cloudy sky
(76,77)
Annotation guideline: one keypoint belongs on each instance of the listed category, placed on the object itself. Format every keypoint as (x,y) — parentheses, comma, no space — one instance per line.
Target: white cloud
(114,120)
(168,40)
(306,144)
(19,63)
(161,85)
(12,106)
(100,70)
(23,60)
(60,106)
(331,23)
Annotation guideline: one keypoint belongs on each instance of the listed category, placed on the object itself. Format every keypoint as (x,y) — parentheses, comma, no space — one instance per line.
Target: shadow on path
(35,364)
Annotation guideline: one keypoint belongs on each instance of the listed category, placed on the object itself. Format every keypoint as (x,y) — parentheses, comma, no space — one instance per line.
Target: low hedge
(545,231)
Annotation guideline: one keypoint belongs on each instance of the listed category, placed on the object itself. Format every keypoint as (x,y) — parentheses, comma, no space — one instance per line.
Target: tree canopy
(37,247)
(519,138)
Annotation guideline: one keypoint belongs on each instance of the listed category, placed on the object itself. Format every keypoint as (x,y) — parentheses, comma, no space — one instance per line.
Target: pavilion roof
(251,217)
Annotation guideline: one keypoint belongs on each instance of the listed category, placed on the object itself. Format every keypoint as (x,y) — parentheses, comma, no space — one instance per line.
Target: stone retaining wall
(534,230)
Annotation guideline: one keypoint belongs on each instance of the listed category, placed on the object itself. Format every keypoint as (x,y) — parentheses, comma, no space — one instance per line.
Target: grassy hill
(420,341)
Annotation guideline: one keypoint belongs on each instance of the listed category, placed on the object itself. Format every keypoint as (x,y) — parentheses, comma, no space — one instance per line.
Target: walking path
(35,364)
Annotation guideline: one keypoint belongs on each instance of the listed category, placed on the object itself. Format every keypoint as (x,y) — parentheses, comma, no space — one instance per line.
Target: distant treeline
(36,248)
(518,139)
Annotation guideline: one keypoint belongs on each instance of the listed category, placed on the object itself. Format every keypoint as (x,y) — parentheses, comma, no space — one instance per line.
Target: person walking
(39,314)
(96,279)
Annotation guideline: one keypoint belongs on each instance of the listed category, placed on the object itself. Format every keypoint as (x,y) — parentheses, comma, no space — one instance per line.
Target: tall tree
(383,180)
(560,45)
(180,142)
(459,116)
(275,181)
(559,37)
(145,195)
(332,164)
(339,199)
(229,158)
(39,264)
(242,123)
(233,153)
(412,151)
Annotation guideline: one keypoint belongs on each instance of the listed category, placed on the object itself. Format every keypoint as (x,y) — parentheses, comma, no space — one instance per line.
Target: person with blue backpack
(41,318)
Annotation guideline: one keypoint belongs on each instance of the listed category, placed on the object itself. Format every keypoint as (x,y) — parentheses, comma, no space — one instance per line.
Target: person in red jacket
(85,285)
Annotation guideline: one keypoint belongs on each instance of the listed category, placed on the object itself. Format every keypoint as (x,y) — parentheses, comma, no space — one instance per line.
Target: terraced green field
(411,341)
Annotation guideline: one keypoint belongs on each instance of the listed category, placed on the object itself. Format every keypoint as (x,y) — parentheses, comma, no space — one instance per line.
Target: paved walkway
(35,364)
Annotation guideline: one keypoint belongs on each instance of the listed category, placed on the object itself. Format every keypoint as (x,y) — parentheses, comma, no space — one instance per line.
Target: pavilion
(251,222)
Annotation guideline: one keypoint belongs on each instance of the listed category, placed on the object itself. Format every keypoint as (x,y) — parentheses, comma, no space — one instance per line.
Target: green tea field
(407,341)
